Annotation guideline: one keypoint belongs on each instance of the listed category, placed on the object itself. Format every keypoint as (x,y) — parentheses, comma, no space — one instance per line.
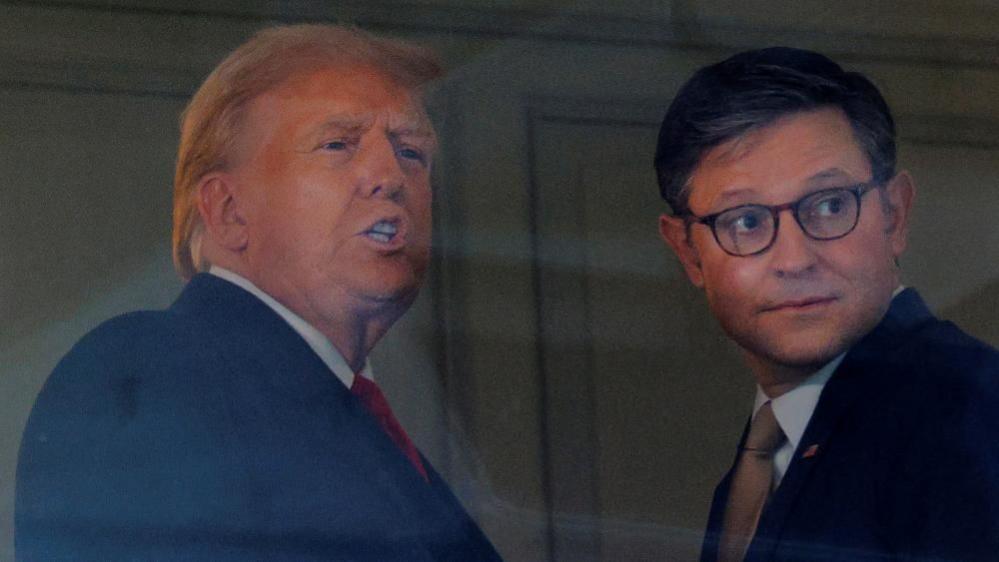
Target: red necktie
(371,396)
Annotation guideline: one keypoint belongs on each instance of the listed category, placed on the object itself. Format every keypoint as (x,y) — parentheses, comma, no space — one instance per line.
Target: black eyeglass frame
(857,190)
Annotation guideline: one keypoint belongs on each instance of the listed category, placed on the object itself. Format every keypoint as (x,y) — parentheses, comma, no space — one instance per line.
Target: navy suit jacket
(904,460)
(211,431)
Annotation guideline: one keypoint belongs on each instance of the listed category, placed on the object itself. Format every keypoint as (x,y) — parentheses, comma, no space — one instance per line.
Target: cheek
(421,205)
(731,278)
(731,288)
(322,209)
(866,262)
(872,281)
(307,231)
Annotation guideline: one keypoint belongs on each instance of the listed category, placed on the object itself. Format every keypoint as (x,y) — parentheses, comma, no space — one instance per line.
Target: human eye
(742,221)
(338,150)
(411,153)
(828,204)
(335,145)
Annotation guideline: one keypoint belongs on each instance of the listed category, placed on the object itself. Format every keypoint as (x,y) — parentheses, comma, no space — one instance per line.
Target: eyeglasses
(748,230)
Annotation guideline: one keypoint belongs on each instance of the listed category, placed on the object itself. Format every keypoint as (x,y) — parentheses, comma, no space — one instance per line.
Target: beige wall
(558,367)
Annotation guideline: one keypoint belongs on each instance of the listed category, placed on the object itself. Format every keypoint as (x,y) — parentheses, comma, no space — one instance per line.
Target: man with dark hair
(875,432)
(243,423)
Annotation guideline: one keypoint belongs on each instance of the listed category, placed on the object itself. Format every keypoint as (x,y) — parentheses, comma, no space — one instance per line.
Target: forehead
(780,160)
(340,96)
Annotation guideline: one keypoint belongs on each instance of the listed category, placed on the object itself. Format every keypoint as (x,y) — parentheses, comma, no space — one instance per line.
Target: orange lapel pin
(811,451)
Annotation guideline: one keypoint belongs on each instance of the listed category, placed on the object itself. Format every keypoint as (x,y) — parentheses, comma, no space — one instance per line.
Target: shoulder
(126,345)
(95,382)
(942,395)
(132,416)
(136,385)
(126,335)
(916,349)
(922,375)
(130,368)
(949,389)
(942,356)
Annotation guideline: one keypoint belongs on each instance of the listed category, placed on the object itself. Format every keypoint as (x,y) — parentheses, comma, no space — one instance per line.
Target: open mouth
(383,231)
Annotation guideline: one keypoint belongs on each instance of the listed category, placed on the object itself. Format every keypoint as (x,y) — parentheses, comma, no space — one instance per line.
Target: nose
(378,170)
(793,252)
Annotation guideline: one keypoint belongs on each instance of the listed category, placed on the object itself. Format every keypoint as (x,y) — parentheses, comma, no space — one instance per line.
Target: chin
(808,353)
(397,293)
(810,360)
(400,297)
(803,350)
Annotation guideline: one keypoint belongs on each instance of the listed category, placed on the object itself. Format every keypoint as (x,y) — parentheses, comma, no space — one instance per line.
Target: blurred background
(558,368)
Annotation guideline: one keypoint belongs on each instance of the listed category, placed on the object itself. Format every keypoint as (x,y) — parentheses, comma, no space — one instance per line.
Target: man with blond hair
(242,423)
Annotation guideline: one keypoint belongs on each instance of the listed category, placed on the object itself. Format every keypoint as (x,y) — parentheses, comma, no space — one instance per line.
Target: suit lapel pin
(811,451)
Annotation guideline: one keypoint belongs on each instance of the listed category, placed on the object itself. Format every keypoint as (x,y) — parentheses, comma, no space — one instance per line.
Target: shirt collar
(314,338)
(794,408)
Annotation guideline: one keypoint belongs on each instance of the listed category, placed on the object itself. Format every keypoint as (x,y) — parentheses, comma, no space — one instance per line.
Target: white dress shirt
(316,340)
(794,409)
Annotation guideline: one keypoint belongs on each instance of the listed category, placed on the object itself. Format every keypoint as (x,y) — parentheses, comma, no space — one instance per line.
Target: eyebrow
(423,138)
(408,126)
(829,173)
(342,123)
(412,130)
(736,193)
(411,125)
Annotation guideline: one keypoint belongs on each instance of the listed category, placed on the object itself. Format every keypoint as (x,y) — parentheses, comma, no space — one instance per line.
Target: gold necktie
(750,487)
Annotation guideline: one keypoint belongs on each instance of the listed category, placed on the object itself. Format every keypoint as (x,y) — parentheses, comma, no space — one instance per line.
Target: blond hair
(210,123)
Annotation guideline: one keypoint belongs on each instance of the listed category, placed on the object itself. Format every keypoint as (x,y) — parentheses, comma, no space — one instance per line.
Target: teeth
(383,231)
(385,227)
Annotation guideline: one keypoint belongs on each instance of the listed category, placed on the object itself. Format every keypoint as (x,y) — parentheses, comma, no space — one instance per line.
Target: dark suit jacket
(907,465)
(211,431)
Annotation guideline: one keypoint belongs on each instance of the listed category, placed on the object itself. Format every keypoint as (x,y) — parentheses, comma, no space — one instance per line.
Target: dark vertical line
(537,287)
(438,291)
(449,339)
(589,375)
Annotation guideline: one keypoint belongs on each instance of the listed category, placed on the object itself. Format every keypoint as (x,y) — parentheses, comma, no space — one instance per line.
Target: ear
(677,236)
(220,212)
(901,191)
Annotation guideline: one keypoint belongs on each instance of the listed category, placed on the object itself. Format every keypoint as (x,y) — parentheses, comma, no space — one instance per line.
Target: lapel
(457,538)
(850,381)
(837,399)
(274,372)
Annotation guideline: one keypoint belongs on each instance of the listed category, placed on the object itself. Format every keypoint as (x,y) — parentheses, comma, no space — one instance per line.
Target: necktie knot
(765,434)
